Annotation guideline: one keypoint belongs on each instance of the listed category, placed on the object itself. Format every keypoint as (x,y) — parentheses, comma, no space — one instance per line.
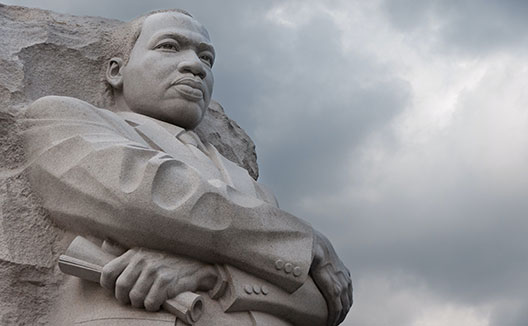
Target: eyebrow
(201,46)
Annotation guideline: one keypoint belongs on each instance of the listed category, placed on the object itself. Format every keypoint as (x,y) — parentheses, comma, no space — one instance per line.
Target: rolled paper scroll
(85,260)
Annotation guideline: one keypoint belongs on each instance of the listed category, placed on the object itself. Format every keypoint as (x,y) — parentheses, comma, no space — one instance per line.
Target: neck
(119,104)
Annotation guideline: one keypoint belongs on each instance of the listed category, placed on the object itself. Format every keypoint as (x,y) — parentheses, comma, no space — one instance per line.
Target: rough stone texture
(29,242)
(45,53)
(238,147)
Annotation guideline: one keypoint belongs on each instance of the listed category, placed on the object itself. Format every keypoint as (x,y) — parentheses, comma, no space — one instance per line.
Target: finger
(338,308)
(347,283)
(141,288)
(325,284)
(350,292)
(336,295)
(157,293)
(113,269)
(340,294)
(126,281)
(346,295)
(112,248)
(184,284)
(345,303)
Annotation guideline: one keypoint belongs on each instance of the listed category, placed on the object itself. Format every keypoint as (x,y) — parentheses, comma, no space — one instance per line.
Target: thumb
(184,284)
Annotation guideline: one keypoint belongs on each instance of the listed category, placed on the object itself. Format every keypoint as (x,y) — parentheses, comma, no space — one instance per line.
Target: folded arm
(97,176)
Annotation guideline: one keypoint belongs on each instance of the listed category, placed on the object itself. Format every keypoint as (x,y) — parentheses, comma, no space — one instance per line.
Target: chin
(187,119)
(186,124)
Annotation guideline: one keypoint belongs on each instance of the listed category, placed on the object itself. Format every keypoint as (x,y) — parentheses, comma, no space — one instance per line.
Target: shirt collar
(186,136)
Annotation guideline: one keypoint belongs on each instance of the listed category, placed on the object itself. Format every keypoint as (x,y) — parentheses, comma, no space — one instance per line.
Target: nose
(192,64)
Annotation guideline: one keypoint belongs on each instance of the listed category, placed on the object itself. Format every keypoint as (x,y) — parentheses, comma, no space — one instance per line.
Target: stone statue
(174,215)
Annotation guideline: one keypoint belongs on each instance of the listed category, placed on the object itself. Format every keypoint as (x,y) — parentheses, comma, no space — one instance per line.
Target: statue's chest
(207,161)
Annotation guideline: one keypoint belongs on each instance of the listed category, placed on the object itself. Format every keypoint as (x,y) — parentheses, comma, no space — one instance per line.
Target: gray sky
(397,128)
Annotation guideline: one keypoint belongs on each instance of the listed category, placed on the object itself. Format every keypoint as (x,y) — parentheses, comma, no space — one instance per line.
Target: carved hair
(120,41)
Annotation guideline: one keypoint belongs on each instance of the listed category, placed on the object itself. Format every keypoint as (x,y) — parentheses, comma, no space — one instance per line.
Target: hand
(147,278)
(332,279)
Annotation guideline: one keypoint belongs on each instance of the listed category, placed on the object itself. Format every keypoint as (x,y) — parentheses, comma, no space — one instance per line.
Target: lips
(189,88)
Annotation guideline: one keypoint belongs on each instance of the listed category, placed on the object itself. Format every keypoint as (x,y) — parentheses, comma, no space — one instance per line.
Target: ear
(113,73)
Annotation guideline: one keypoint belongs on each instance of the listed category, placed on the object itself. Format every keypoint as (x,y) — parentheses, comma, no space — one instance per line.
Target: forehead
(173,23)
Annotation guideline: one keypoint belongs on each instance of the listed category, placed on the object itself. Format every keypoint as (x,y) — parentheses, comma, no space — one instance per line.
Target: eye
(168,46)
(207,58)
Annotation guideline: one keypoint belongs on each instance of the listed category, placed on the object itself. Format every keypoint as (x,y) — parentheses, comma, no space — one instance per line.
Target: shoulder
(266,194)
(63,107)
(60,111)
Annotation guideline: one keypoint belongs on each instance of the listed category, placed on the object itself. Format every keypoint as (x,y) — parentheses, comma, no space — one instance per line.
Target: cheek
(210,83)
(150,72)
(134,80)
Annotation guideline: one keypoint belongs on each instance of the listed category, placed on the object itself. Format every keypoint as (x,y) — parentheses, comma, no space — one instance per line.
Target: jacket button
(264,290)
(297,271)
(288,267)
(256,289)
(248,289)
(279,264)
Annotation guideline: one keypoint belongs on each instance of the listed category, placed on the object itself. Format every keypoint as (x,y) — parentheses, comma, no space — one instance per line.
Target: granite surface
(46,53)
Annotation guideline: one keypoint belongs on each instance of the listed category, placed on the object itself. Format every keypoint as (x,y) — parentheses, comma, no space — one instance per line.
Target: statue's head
(161,67)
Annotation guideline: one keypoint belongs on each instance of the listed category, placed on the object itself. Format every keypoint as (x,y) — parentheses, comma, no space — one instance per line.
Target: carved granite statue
(176,214)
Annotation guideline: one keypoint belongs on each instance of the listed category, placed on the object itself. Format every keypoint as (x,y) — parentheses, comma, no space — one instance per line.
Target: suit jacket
(142,182)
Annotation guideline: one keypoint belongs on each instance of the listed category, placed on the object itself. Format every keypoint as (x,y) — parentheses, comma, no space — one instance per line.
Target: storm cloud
(398,128)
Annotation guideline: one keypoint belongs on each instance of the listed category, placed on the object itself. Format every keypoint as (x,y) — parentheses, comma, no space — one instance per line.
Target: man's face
(168,75)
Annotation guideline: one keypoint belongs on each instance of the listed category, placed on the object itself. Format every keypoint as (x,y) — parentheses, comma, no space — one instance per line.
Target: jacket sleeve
(97,176)
(245,292)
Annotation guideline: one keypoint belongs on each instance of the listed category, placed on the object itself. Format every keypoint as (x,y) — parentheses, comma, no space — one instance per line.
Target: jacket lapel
(167,138)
